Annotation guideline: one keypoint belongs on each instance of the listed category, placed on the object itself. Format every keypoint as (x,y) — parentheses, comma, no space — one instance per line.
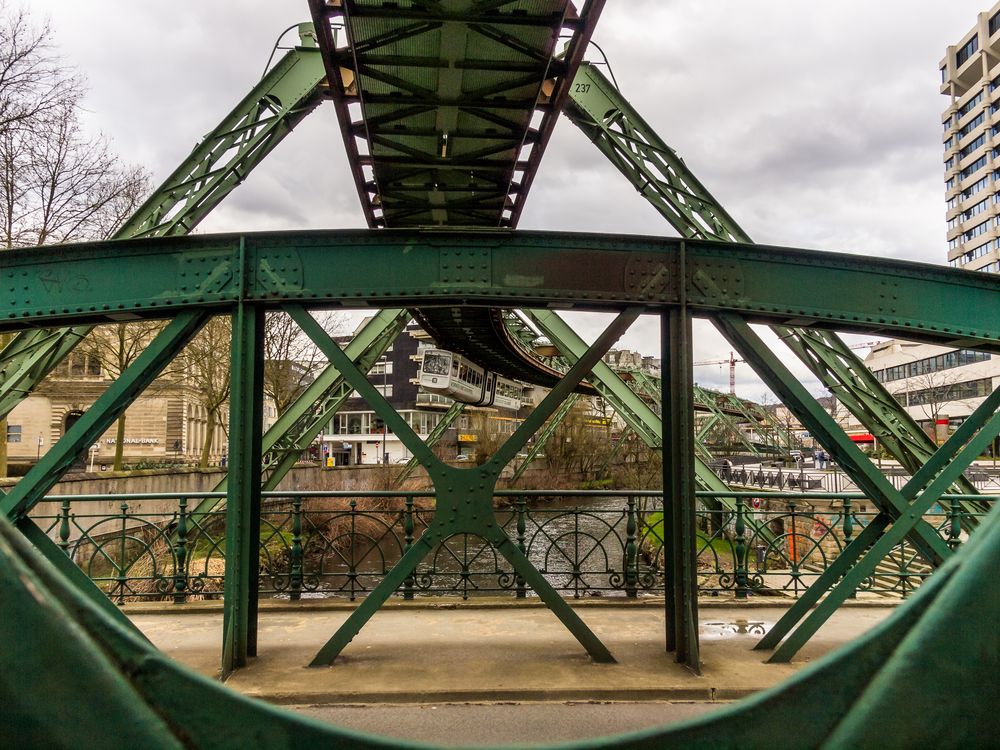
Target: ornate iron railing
(586,543)
(984,479)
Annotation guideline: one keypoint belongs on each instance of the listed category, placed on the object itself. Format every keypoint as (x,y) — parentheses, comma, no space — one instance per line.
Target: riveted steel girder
(246,403)
(119,395)
(661,177)
(218,164)
(104,680)
(523,269)
(860,559)
(464,497)
(455,103)
(286,94)
(679,529)
(814,418)
(630,407)
(29,357)
(294,431)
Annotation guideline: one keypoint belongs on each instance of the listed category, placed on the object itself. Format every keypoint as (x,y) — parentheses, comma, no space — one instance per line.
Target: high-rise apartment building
(970,78)
(939,387)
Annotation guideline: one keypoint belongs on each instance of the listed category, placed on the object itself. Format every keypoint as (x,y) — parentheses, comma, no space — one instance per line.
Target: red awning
(862,438)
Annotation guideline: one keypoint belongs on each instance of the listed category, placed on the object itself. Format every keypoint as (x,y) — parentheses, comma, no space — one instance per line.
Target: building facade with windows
(356,435)
(165,424)
(970,78)
(939,387)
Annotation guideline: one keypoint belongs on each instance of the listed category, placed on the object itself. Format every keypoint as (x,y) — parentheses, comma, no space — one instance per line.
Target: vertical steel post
(239,639)
(631,564)
(679,486)
(180,553)
(295,576)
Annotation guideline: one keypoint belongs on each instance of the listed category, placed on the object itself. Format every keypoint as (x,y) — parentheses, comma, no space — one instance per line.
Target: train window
(437,363)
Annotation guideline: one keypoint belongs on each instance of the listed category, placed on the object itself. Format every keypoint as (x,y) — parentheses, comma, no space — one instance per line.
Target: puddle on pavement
(719,630)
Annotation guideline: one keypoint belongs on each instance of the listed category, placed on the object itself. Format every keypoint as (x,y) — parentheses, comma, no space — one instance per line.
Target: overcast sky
(817,124)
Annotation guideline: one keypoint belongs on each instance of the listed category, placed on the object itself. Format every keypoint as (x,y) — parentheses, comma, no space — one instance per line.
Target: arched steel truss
(459,281)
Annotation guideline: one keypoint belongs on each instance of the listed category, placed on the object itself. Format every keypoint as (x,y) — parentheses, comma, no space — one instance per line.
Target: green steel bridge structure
(446,109)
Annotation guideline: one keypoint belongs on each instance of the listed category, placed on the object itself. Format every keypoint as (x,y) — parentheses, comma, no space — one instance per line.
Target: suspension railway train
(452,375)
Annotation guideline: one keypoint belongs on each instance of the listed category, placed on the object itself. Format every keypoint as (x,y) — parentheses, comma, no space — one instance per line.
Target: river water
(577,543)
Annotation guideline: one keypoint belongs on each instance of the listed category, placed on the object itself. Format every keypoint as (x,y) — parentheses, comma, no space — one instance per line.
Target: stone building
(165,424)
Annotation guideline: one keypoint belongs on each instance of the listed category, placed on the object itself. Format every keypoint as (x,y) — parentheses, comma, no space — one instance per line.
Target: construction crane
(732,368)
(733,360)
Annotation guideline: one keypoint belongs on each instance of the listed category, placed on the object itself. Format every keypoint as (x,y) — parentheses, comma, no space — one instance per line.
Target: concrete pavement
(430,654)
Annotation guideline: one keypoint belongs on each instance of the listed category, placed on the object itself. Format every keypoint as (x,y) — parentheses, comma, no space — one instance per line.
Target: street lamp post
(38,452)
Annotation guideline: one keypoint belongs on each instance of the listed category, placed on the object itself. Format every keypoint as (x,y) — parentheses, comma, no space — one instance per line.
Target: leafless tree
(291,360)
(33,78)
(206,365)
(56,183)
(579,445)
(116,347)
(930,392)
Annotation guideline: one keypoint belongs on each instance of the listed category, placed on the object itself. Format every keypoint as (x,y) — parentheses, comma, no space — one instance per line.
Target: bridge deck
(468,652)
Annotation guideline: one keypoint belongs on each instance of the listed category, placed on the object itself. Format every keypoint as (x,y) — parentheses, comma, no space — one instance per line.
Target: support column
(679,531)
(239,636)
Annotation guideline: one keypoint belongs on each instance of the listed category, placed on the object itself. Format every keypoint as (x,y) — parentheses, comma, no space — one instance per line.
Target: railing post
(407,543)
(848,527)
(793,547)
(122,551)
(522,526)
(64,527)
(352,570)
(955,528)
(180,553)
(631,551)
(741,552)
(295,575)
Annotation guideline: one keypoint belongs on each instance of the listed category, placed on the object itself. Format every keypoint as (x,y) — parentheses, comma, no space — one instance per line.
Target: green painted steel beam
(773,433)
(706,400)
(293,432)
(924,490)
(650,386)
(858,389)
(31,356)
(102,414)
(72,572)
(543,435)
(464,497)
(433,438)
(814,418)
(630,407)
(597,107)
(679,504)
(246,403)
(410,269)
(98,677)
(224,158)
(637,414)
(654,169)
(218,164)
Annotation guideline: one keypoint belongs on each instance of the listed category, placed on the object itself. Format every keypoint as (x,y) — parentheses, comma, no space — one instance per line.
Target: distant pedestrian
(821,459)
